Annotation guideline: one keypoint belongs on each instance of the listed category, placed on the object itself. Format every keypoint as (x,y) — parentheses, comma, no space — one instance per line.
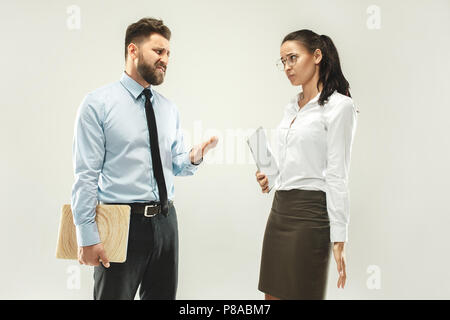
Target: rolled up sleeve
(88,152)
(341,128)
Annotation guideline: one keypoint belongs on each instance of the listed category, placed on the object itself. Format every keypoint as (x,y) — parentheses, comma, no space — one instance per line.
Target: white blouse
(314,153)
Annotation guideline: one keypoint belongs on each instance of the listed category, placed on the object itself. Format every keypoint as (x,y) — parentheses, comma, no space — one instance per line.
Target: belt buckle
(147,214)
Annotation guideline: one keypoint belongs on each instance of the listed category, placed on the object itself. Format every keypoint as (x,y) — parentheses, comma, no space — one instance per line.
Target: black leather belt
(148,209)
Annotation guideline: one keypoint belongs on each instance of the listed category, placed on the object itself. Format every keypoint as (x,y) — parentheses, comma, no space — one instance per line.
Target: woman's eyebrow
(290,54)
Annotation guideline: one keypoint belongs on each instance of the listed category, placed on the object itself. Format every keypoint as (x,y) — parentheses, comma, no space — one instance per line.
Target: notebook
(113,223)
(263,156)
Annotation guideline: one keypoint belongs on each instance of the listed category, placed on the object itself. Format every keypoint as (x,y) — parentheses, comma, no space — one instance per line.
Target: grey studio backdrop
(223,78)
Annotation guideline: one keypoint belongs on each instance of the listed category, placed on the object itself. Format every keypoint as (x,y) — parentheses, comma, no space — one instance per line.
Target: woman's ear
(317,56)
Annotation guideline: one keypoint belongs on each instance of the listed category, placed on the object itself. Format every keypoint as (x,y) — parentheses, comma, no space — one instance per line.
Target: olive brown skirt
(296,247)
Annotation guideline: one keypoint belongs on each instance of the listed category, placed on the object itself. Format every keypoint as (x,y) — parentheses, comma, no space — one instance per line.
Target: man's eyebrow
(161,48)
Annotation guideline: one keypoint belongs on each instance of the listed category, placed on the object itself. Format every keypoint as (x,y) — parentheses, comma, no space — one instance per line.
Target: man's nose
(165,59)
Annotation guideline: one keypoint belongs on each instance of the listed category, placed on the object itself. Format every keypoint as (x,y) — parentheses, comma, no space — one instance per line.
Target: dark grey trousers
(152,262)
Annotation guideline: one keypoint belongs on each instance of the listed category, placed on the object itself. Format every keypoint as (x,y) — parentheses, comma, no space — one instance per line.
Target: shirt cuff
(190,164)
(198,163)
(338,233)
(87,234)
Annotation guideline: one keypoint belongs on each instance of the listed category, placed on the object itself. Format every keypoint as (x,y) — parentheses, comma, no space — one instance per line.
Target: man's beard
(149,73)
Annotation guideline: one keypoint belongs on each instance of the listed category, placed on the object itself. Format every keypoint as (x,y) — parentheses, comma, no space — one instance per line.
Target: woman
(310,210)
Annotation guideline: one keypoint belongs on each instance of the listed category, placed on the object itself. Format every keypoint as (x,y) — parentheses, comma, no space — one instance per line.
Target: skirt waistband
(301,193)
(305,204)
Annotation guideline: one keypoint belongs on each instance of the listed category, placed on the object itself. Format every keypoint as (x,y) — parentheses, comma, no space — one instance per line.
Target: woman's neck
(310,90)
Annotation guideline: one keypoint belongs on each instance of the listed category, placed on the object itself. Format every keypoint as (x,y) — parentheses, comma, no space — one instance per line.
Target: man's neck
(133,74)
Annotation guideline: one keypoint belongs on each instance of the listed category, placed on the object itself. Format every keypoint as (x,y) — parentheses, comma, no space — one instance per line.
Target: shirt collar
(133,86)
(297,97)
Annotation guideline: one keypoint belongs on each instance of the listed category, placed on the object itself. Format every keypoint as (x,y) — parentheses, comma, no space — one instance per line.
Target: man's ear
(133,51)
(317,56)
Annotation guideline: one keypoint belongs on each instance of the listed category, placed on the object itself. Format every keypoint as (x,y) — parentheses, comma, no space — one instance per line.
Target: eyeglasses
(290,60)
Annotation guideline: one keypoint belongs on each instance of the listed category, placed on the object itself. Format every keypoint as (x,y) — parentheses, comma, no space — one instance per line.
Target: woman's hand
(339,256)
(263,181)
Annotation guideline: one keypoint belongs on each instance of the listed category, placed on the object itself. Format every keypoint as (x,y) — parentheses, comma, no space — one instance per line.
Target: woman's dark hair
(143,28)
(330,73)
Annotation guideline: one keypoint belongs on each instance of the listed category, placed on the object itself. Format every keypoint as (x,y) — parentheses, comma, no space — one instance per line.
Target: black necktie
(154,148)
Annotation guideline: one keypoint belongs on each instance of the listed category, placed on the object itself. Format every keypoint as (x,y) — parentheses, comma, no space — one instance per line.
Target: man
(127,147)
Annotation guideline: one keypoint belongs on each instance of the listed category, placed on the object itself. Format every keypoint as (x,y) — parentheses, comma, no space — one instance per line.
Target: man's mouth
(161,68)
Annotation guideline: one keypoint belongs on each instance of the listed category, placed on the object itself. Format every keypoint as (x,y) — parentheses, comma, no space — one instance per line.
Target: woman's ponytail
(330,72)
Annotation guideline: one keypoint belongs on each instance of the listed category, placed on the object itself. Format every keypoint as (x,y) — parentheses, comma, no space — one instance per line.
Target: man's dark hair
(137,31)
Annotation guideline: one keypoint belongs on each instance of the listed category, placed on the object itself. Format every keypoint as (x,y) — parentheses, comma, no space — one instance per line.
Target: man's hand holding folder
(90,255)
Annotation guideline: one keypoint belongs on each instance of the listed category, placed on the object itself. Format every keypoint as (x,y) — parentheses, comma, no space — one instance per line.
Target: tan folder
(113,223)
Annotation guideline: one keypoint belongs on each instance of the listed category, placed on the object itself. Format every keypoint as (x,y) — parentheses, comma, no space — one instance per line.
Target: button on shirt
(314,153)
(111,151)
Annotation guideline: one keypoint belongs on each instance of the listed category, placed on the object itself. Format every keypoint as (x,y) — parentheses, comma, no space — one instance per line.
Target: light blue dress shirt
(111,151)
